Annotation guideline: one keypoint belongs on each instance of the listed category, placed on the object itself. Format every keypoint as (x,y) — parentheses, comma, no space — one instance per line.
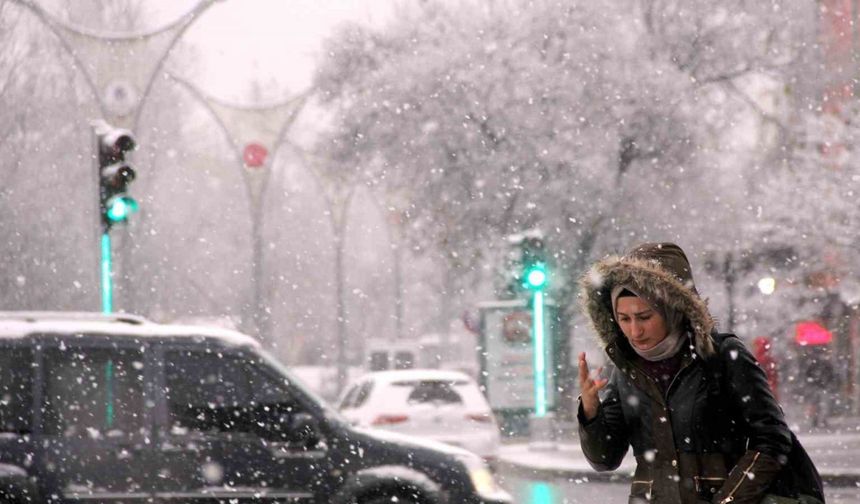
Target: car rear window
(432,391)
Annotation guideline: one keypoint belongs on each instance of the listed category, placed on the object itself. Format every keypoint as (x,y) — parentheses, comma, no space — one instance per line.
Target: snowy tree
(592,122)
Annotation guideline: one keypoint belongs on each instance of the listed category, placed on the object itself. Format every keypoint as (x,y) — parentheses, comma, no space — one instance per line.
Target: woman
(693,404)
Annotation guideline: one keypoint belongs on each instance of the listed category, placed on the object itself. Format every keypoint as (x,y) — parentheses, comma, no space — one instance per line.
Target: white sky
(240,41)
(237,41)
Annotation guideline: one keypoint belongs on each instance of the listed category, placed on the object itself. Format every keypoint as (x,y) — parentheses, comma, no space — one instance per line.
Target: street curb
(524,470)
(841,480)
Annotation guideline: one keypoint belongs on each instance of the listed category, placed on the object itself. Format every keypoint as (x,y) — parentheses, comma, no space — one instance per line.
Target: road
(527,491)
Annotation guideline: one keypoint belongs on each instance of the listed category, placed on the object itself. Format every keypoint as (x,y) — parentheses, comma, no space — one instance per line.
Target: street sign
(507,357)
(254,155)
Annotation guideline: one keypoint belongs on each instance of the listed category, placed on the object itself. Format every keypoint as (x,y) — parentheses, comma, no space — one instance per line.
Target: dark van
(114,408)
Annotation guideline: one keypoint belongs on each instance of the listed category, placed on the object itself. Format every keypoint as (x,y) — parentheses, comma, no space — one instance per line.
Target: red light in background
(390,419)
(480,417)
(811,333)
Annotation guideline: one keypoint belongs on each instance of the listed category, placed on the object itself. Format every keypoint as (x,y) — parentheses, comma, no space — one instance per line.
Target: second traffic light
(535,275)
(115,174)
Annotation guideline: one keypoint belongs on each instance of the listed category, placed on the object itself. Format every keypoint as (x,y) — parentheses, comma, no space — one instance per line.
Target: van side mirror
(305,431)
(284,423)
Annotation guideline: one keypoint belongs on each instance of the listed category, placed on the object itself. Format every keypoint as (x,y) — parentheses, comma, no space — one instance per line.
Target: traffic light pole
(535,278)
(107,286)
(114,174)
(105,264)
(539,353)
(542,422)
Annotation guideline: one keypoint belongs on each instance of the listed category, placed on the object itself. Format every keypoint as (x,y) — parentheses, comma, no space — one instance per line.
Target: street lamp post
(337,194)
(249,129)
(338,218)
(392,208)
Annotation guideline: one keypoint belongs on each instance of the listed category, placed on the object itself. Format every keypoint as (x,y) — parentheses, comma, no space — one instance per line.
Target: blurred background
(333,177)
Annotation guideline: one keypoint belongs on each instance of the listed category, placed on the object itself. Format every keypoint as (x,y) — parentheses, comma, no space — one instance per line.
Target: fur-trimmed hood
(659,271)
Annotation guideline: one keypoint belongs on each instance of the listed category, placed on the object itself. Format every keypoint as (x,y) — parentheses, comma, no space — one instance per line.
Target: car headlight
(483,480)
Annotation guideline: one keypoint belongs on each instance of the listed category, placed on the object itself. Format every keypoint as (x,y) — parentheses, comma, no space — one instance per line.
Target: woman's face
(642,325)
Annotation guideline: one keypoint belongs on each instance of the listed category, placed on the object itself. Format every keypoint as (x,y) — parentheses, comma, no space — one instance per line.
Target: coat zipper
(675,378)
(731,496)
(650,483)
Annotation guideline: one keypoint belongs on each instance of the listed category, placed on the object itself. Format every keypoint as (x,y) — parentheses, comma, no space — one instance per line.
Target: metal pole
(398,289)
(107,286)
(99,230)
(257,311)
(339,205)
(854,39)
(258,315)
(539,354)
(342,369)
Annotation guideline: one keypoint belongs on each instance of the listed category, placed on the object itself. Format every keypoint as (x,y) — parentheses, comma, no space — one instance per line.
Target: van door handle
(170,447)
(285,449)
(180,445)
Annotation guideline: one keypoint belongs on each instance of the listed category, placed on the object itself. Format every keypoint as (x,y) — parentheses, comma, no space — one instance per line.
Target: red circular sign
(254,155)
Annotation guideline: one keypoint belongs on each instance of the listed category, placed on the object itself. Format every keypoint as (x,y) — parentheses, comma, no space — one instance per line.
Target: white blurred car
(445,406)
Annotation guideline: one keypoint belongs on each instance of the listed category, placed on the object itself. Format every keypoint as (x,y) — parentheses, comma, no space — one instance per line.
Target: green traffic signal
(120,207)
(115,174)
(536,277)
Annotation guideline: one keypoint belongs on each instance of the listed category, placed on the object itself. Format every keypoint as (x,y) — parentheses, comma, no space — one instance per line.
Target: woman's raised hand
(588,388)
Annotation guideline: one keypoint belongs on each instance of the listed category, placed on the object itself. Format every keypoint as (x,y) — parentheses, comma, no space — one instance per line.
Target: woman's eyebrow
(643,312)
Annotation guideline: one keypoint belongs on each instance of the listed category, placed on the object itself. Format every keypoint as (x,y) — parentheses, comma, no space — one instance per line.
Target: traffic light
(535,275)
(115,174)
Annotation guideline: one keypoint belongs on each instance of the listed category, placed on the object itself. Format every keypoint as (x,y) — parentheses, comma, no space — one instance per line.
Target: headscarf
(674,340)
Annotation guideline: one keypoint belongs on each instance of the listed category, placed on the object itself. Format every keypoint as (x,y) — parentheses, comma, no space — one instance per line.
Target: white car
(445,406)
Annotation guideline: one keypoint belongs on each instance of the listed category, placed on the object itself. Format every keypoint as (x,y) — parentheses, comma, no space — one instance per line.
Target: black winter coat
(717,434)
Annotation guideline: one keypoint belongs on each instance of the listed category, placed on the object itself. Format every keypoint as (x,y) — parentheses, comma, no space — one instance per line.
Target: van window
(379,361)
(218,392)
(16,389)
(200,384)
(93,392)
(404,360)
